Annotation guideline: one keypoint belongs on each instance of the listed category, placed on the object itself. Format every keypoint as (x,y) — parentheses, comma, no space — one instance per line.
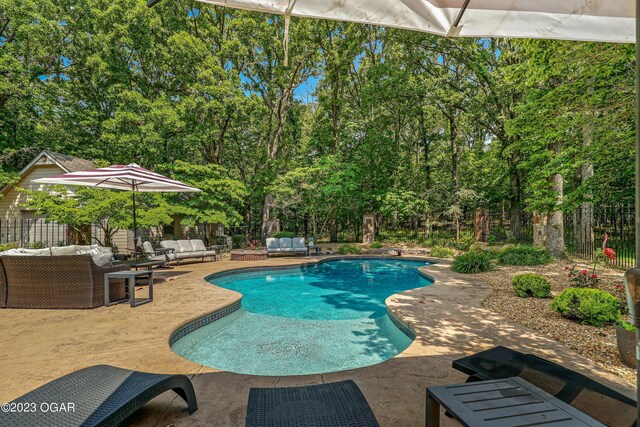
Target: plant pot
(626,345)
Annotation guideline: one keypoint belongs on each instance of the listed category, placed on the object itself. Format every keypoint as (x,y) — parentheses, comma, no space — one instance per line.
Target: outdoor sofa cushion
(298,243)
(273,243)
(286,244)
(198,245)
(170,244)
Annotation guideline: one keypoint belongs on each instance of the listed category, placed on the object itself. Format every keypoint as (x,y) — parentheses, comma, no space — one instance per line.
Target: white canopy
(592,20)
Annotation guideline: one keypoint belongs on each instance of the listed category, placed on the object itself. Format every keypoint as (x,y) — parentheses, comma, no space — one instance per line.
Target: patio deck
(40,345)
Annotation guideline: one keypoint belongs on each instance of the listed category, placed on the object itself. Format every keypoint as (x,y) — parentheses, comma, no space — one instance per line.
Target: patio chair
(100,395)
(159,254)
(340,404)
(594,399)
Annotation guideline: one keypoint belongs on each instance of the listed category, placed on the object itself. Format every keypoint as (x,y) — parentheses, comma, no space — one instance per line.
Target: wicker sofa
(58,281)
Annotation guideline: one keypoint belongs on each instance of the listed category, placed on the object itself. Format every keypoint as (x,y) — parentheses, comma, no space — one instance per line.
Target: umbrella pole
(135,226)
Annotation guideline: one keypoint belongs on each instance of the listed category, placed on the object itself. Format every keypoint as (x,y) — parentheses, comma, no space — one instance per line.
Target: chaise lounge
(339,404)
(594,399)
(100,395)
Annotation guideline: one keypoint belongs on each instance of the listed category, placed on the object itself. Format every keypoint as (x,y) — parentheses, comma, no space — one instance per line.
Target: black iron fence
(33,233)
(585,228)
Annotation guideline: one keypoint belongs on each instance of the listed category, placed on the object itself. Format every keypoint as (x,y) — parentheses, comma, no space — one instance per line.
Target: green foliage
(111,210)
(238,241)
(628,326)
(216,203)
(7,246)
(462,244)
(480,123)
(589,306)
(472,262)
(375,245)
(349,249)
(524,255)
(289,234)
(441,252)
(531,285)
(491,240)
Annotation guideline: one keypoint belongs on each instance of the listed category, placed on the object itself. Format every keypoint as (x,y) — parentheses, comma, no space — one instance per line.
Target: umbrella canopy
(593,20)
(120,177)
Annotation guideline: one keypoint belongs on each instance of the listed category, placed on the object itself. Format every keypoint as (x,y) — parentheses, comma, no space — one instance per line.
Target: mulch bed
(597,344)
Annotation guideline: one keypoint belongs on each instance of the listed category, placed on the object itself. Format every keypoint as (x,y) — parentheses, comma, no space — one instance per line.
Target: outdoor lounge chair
(100,395)
(160,254)
(340,404)
(594,399)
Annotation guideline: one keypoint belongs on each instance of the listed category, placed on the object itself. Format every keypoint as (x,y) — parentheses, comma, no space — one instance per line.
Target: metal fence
(585,228)
(33,233)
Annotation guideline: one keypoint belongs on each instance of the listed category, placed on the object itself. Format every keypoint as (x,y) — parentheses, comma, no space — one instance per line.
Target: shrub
(349,249)
(524,255)
(375,245)
(7,246)
(581,278)
(441,252)
(463,244)
(531,285)
(288,234)
(472,262)
(589,306)
(491,240)
(238,241)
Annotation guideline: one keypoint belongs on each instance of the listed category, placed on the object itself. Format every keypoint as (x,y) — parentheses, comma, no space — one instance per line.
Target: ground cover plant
(349,249)
(472,262)
(441,252)
(524,255)
(531,285)
(588,306)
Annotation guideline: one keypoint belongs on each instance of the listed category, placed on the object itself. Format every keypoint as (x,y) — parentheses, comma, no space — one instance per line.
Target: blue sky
(305,91)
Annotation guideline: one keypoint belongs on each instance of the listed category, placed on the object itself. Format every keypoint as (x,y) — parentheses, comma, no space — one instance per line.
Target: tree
(110,210)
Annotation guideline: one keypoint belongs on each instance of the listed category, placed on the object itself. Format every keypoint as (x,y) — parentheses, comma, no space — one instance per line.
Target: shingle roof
(69,163)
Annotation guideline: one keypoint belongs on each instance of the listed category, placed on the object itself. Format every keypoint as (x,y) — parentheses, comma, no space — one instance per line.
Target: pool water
(325,318)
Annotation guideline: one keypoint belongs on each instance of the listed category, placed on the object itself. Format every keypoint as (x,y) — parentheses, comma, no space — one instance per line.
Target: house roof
(64,161)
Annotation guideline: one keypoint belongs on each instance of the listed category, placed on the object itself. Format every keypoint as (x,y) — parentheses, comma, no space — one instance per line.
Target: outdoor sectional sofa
(188,249)
(56,281)
(286,245)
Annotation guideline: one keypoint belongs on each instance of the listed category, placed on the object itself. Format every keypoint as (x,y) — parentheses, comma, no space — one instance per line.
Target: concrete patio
(448,317)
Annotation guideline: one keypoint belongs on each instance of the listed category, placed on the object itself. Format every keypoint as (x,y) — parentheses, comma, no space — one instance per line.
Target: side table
(130,278)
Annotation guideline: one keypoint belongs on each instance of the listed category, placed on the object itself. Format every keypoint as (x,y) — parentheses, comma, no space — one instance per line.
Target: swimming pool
(314,319)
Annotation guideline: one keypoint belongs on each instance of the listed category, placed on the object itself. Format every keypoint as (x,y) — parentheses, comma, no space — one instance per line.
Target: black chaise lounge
(100,395)
(594,399)
(338,404)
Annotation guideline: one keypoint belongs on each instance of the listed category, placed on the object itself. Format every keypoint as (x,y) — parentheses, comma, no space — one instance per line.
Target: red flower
(610,253)
(569,275)
(584,272)
(594,276)
(618,286)
(566,267)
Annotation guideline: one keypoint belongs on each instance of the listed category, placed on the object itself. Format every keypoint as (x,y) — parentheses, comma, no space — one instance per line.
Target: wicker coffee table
(248,255)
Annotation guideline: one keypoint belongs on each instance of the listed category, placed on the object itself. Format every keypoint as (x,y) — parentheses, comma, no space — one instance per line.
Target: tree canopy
(362,119)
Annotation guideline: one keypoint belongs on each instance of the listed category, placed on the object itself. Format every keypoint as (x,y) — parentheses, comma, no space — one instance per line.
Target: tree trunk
(515,209)
(585,225)
(555,221)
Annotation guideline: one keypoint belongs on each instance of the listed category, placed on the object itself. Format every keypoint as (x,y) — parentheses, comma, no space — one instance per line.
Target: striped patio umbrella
(122,177)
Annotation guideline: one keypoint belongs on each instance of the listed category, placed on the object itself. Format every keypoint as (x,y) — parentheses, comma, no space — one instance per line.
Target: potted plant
(626,339)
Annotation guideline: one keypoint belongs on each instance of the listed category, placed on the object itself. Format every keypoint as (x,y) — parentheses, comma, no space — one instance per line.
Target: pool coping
(203,320)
